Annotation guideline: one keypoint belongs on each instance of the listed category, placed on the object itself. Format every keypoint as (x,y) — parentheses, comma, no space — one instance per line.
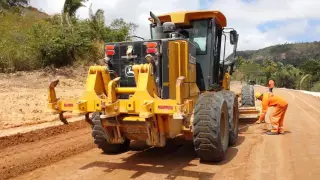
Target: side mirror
(233,37)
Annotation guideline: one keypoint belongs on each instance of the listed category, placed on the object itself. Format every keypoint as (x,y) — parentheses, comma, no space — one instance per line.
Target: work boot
(271,133)
(258,122)
(281,130)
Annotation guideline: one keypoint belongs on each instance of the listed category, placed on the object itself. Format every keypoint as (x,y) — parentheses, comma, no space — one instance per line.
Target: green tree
(59,46)
(288,76)
(312,67)
(305,81)
(36,40)
(316,87)
(97,22)
(119,30)
(250,70)
(240,61)
(71,6)
(269,68)
(69,10)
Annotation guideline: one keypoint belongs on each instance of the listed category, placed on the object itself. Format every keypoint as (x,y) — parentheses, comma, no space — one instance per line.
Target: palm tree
(70,8)
(97,21)
(270,67)
(303,79)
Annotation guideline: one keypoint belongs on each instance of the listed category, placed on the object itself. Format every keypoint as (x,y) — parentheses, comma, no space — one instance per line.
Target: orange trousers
(277,118)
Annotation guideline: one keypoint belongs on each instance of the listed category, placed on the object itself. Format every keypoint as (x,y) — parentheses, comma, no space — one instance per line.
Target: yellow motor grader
(169,85)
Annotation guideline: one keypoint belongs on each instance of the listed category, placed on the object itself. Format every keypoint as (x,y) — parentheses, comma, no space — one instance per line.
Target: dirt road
(71,155)
(23,95)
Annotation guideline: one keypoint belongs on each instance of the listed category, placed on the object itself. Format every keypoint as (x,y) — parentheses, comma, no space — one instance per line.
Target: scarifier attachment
(248,113)
(143,114)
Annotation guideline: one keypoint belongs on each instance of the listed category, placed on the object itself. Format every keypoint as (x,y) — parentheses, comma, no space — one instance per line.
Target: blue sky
(204,4)
(260,23)
(310,34)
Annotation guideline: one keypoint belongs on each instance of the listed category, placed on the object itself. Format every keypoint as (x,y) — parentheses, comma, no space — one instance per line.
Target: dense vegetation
(30,39)
(295,66)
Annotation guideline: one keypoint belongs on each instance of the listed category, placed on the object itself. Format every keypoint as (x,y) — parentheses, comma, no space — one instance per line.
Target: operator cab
(205,30)
(197,33)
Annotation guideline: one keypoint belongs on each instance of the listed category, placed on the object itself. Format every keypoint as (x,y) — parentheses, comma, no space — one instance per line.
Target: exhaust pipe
(155,18)
(158,29)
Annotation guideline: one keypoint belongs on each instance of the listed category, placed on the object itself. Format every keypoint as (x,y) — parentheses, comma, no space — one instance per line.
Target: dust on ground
(71,154)
(23,95)
(295,155)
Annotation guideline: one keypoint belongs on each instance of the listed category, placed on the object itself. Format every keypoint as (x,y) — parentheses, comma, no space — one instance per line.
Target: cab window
(199,36)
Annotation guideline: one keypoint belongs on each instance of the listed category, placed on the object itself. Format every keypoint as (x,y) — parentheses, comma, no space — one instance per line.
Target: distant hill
(29,12)
(295,54)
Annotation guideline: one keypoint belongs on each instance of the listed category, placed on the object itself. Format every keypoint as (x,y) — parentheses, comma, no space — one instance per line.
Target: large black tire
(211,132)
(247,96)
(233,112)
(100,138)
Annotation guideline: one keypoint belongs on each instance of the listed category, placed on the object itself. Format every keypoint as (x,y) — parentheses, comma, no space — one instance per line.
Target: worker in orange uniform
(271,85)
(277,116)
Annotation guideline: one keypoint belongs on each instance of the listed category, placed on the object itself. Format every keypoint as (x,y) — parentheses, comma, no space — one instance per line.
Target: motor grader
(170,85)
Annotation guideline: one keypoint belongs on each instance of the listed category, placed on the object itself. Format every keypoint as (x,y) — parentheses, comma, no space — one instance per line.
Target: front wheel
(233,111)
(100,138)
(211,132)
(247,96)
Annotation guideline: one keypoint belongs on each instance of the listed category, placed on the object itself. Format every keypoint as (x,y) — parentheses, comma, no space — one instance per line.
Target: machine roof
(184,17)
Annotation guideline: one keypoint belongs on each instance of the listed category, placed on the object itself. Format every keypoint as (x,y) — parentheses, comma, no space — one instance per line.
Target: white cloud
(137,11)
(50,7)
(259,11)
(317,29)
(243,16)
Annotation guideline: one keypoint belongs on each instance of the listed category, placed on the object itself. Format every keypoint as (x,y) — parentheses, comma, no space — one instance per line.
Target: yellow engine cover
(182,63)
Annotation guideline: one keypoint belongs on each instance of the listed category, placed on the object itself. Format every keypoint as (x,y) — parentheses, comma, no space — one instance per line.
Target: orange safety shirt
(271,83)
(269,100)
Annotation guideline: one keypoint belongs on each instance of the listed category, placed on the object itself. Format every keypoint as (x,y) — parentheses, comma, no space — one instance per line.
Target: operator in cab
(277,115)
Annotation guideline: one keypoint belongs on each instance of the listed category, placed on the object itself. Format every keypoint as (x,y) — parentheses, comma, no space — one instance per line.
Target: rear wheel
(211,132)
(100,138)
(233,112)
(247,96)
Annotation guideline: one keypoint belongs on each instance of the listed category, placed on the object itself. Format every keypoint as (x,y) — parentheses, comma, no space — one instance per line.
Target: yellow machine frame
(144,100)
(144,103)
(166,117)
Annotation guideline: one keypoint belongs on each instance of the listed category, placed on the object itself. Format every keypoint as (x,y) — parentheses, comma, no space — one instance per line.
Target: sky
(260,23)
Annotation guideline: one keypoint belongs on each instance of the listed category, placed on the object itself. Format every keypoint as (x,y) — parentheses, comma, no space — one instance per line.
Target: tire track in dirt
(294,155)
(307,109)
(255,156)
(22,153)
(175,161)
(39,134)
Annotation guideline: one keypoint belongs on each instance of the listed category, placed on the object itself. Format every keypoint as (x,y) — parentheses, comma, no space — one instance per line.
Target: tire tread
(247,96)
(100,138)
(206,125)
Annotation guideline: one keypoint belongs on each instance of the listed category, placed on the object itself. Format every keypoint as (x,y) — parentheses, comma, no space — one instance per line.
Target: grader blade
(248,113)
